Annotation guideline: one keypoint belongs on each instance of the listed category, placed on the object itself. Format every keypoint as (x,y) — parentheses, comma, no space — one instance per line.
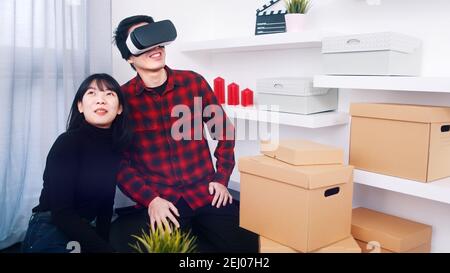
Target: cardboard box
(348,245)
(389,232)
(303,207)
(382,53)
(408,141)
(303,152)
(269,246)
(374,247)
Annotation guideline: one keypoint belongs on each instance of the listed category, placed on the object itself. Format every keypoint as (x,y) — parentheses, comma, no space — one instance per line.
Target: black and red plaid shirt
(158,163)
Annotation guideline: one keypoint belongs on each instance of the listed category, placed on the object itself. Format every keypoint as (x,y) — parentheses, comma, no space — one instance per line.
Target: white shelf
(308,121)
(258,42)
(437,190)
(395,83)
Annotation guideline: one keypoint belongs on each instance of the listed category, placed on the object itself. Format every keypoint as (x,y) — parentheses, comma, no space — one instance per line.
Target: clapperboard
(269,22)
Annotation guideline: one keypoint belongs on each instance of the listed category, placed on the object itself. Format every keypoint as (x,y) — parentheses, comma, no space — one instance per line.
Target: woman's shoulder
(71,135)
(67,141)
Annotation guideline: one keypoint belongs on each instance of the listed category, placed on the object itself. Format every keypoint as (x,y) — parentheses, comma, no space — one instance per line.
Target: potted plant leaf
(296,14)
(161,241)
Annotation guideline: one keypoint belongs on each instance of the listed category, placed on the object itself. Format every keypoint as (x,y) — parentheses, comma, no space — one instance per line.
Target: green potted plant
(161,241)
(296,14)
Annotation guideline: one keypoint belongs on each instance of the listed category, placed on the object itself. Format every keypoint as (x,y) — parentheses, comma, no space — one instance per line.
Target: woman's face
(100,107)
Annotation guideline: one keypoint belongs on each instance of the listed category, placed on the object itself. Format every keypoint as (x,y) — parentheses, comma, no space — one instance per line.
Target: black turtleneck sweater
(80,184)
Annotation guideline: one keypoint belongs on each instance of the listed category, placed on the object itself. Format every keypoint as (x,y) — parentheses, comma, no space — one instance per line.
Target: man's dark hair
(121,32)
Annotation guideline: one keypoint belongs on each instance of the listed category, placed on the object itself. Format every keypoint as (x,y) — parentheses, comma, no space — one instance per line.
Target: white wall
(202,19)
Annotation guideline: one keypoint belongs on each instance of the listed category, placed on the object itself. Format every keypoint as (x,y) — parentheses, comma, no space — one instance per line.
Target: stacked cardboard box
(408,141)
(348,245)
(377,232)
(298,194)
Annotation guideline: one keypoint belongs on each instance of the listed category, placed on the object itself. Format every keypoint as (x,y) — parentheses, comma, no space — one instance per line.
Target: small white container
(295,95)
(295,22)
(381,54)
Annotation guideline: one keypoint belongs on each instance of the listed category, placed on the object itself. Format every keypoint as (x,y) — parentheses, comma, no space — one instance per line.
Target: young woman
(77,199)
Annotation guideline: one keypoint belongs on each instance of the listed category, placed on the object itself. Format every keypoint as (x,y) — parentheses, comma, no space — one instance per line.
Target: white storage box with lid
(382,54)
(295,95)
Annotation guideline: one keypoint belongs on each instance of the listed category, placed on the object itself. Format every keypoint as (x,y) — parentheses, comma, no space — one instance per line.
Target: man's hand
(159,210)
(221,194)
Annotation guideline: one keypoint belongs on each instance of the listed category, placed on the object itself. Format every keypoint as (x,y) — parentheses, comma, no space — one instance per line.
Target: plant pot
(295,22)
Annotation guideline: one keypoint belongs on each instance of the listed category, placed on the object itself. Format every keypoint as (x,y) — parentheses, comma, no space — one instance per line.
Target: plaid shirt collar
(171,82)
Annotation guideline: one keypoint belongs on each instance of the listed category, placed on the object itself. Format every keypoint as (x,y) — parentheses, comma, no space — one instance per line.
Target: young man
(175,178)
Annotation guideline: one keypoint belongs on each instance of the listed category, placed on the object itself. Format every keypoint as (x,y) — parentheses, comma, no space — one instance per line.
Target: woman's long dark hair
(121,131)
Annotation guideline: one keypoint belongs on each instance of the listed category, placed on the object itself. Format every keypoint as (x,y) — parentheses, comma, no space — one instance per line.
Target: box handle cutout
(278,85)
(445,128)
(332,191)
(353,41)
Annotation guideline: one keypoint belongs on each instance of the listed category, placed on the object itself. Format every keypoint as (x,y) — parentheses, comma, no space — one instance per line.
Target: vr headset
(147,37)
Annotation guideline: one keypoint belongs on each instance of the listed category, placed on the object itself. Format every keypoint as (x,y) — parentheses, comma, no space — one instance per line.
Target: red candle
(219,89)
(247,97)
(233,94)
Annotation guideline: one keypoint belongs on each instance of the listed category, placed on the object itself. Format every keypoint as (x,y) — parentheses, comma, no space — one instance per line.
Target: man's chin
(155,69)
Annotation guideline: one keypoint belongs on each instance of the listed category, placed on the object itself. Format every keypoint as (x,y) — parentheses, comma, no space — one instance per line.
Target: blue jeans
(44,237)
